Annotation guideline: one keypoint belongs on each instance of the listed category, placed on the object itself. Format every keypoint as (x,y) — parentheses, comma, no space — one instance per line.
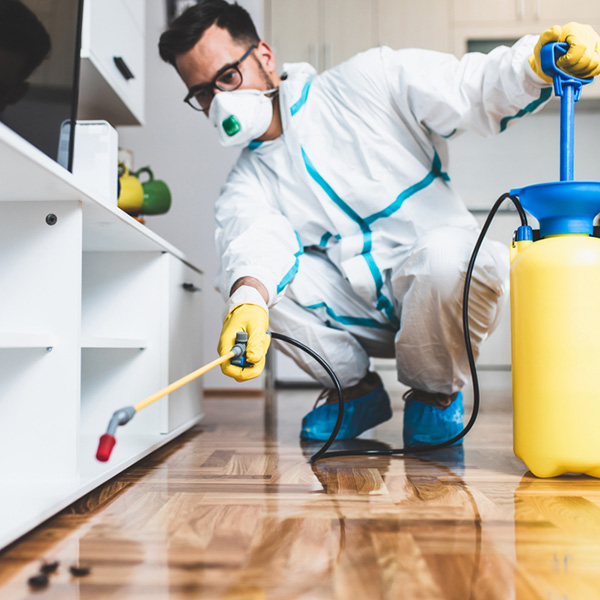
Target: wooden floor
(233,510)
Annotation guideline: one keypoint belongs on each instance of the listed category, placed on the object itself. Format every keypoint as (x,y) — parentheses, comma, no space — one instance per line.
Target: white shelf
(97,287)
(26,340)
(105,228)
(99,342)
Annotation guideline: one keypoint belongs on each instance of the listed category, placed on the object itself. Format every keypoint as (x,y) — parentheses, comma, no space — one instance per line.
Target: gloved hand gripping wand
(124,415)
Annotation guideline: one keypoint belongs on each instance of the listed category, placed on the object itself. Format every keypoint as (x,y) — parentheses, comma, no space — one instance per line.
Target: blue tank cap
(524,233)
(562,206)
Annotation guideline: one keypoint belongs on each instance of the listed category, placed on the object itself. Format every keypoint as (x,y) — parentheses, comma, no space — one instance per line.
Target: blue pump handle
(569,89)
(548,56)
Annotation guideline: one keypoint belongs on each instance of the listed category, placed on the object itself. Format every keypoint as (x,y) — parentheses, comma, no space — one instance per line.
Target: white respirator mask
(241,116)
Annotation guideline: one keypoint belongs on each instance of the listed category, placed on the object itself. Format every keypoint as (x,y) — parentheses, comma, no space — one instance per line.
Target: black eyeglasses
(228,78)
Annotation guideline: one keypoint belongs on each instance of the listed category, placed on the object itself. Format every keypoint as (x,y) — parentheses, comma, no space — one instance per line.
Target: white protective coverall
(351,223)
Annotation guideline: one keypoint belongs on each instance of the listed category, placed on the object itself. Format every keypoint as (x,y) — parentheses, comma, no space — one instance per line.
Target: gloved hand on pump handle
(582,59)
(249,314)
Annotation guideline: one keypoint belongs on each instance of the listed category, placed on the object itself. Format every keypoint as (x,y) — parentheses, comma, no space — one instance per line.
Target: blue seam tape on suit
(254,144)
(383,303)
(300,103)
(345,320)
(326,237)
(292,272)
(544,95)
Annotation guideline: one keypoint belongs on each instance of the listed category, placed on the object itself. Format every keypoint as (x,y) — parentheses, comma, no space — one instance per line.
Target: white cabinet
(321,32)
(348,28)
(423,24)
(493,11)
(501,22)
(112,61)
(525,11)
(294,30)
(582,11)
(96,313)
(327,32)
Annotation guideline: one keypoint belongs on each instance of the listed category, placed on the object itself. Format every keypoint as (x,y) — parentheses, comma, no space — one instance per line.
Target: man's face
(216,50)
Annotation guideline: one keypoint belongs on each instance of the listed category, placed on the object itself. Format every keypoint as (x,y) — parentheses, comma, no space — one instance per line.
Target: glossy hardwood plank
(233,510)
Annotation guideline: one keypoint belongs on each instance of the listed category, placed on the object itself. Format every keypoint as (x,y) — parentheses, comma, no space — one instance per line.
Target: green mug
(157,195)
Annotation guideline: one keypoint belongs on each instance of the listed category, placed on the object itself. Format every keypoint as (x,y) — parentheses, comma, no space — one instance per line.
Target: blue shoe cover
(425,425)
(359,415)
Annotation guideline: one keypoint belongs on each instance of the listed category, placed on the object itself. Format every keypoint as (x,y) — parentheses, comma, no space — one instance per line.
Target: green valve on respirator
(231,125)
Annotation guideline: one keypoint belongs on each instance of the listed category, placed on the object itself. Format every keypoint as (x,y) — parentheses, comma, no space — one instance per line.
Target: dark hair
(185,31)
(22,32)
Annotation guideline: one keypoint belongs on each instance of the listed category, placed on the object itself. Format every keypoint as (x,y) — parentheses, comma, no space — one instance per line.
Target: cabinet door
(184,343)
(348,27)
(424,24)
(559,12)
(295,31)
(321,32)
(112,67)
(491,11)
(40,273)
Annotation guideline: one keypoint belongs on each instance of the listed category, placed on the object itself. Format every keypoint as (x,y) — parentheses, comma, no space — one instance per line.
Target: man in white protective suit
(339,226)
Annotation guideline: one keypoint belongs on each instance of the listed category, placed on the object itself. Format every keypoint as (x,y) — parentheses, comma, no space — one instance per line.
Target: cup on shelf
(157,195)
(131,195)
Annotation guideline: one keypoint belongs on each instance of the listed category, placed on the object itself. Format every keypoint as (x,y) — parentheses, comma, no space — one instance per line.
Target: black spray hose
(322,453)
(336,385)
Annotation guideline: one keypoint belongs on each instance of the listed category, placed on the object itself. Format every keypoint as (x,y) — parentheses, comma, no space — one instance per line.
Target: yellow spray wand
(124,415)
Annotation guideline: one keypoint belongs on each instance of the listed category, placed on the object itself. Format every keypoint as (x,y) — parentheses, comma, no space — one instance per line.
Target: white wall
(526,153)
(182,148)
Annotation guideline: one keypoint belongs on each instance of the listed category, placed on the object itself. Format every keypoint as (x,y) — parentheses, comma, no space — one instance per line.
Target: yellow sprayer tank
(555,305)
(555,320)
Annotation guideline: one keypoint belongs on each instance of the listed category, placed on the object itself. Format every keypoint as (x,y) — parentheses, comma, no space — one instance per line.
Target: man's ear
(266,56)
(17,92)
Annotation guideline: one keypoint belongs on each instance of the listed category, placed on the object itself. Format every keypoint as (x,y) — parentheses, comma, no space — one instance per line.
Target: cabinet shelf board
(109,342)
(26,340)
(105,228)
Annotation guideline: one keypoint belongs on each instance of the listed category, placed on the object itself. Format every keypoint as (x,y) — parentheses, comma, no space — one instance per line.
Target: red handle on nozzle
(105,446)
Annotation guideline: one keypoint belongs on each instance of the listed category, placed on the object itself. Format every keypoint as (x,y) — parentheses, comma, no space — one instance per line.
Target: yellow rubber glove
(254,320)
(583,56)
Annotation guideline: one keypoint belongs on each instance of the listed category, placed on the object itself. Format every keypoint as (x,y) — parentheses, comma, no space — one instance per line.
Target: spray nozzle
(108,440)
(241,341)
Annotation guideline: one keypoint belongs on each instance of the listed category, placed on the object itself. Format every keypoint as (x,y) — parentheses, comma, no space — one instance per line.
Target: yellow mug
(131,196)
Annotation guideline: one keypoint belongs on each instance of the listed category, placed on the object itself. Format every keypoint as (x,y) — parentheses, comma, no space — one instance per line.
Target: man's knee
(445,255)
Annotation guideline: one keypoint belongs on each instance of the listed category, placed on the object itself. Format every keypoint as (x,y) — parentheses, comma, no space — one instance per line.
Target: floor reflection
(557,535)
(236,511)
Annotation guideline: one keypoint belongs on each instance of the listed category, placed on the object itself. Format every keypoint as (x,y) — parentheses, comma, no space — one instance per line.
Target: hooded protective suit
(349,218)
